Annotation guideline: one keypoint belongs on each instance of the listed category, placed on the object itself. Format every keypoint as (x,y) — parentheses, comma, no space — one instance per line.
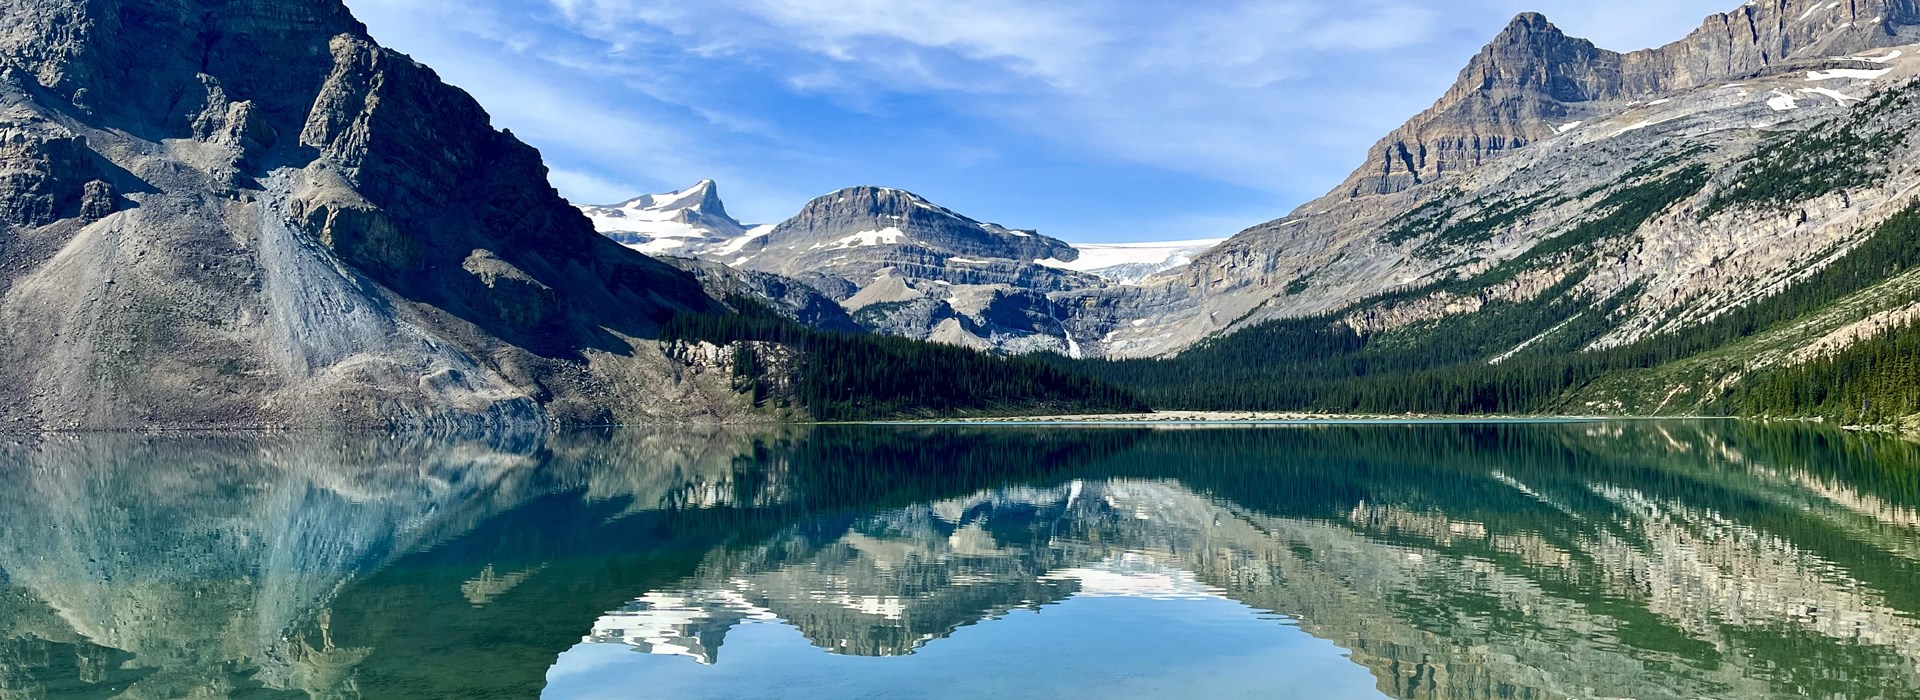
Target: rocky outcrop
(1528,79)
(47,174)
(250,214)
(786,296)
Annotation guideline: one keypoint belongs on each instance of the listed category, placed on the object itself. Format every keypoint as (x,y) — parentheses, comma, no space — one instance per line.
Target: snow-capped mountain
(859,232)
(899,263)
(694,223)
(682,224)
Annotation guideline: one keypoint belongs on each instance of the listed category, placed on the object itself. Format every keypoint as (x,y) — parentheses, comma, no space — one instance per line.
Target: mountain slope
(1533,80)
(1655,258)
(339,240)
(1663,106)
(859,232)
(245,213)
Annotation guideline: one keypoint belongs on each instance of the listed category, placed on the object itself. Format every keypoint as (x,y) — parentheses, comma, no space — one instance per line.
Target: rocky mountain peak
(1533,78)
(1528,27)
(868,200)
(883,216)
(703,197)
(682,223)
(1533,54)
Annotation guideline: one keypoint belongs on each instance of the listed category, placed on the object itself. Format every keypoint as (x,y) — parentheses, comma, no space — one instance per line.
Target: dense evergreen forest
(1873,382)
(848,377)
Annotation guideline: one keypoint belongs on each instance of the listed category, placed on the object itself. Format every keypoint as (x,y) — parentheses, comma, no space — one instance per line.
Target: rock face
(784,295)
(237,214)
(1528,79)
(1533,80)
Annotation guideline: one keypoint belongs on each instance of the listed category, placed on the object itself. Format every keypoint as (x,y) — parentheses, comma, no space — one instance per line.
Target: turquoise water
(1511,560)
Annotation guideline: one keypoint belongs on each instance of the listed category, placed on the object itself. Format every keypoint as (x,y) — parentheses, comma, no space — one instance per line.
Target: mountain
(1708,95)
(1710,214)
(275,221)
(908,267)
(898,263)
(860,232)
(683,223)
(1533,81)
(246,213)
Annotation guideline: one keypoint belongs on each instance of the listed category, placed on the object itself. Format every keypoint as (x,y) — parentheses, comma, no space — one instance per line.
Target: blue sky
(1091,120)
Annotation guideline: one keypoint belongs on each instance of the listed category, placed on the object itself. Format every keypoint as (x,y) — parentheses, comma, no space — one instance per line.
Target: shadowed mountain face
(248,213)
(1669,560)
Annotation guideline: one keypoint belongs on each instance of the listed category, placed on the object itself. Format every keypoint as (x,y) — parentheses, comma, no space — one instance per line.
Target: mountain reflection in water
(1645,560)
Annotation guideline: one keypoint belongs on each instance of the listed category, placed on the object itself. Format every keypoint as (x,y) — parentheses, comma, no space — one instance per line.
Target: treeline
(1873,382)
(847,377)
(1321,364)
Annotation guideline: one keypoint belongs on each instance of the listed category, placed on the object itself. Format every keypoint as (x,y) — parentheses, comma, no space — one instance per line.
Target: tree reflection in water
(1648,560)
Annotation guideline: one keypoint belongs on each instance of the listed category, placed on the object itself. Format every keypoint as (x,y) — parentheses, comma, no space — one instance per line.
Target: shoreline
(1270,418)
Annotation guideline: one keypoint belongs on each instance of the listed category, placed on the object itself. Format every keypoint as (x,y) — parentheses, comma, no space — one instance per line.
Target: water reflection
(1647,560)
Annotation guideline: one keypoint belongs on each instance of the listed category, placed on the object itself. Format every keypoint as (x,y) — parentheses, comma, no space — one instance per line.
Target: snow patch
(1816,9)
(1569,126)
(1642,124)
(739,244)
(1781,102)
(1848,73)
(1843,98)
(885,236)
(1896,53)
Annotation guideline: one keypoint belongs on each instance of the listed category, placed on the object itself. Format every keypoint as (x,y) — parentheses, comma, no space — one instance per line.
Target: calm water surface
(1567,560)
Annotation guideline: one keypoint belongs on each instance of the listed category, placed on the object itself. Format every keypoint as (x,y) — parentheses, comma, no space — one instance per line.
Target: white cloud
(1281,96)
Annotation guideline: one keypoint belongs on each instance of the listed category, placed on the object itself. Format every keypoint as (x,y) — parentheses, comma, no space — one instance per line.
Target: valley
(1568,230)
(1719,226)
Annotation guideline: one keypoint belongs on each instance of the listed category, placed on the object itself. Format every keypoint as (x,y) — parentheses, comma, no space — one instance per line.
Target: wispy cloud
(1234,105)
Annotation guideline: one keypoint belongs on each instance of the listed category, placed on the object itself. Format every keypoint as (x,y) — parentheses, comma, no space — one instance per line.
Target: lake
(1432,561)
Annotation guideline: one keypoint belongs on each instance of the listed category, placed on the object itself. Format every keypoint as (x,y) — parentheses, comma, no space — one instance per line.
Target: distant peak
(872,193)
(1530,28)
(703,196)
(1533,21)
